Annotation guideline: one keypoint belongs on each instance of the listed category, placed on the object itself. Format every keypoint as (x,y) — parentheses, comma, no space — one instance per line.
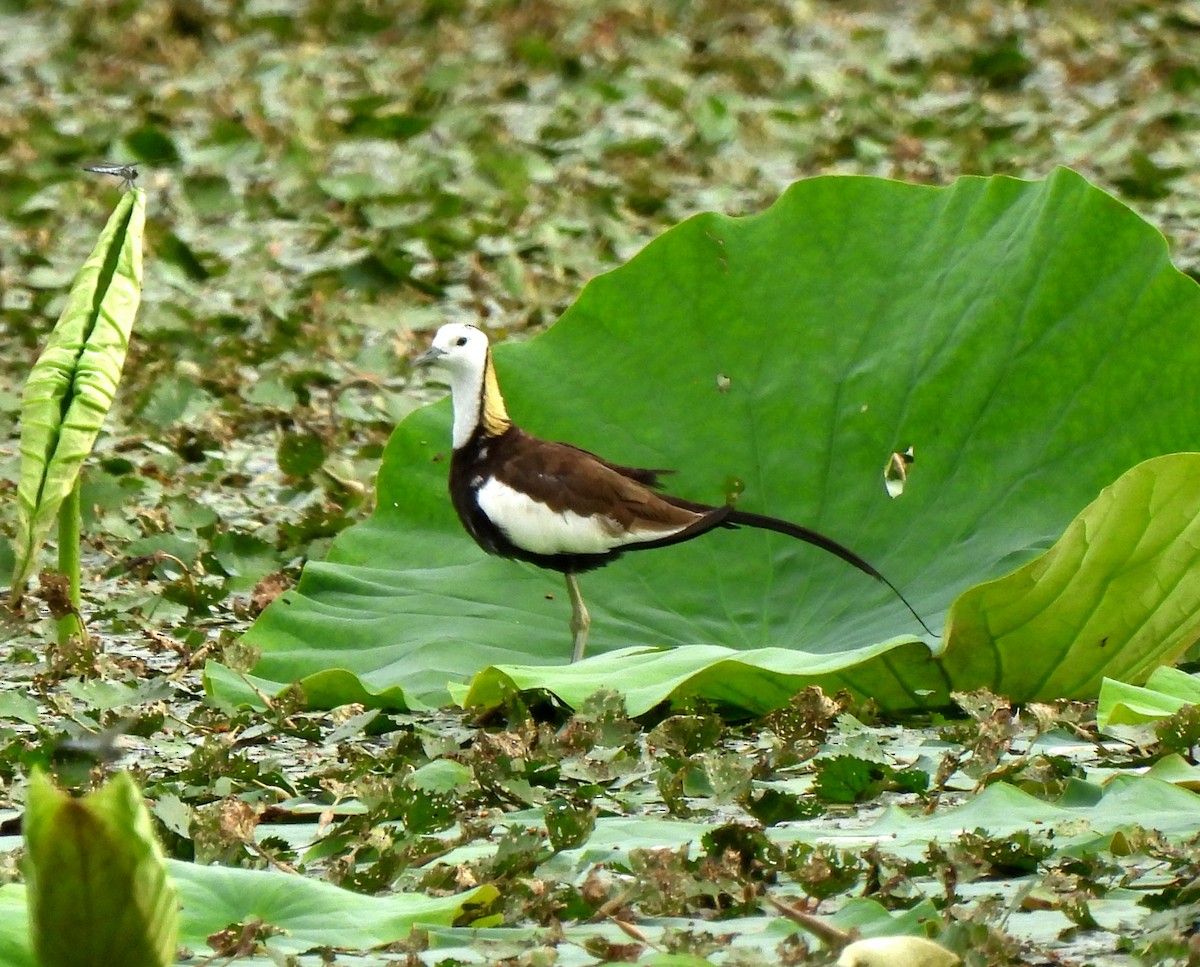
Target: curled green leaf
(73,383)
(1116,595)
(94,863)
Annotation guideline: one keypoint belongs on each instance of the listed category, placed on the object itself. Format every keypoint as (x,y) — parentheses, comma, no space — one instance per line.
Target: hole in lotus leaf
(895,472)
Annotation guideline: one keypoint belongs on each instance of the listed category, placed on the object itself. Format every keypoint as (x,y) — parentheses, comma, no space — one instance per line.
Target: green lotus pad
(308,914)
(1166,691)
(1030,341)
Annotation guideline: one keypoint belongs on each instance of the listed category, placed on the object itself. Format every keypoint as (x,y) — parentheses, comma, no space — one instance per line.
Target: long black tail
(735,518)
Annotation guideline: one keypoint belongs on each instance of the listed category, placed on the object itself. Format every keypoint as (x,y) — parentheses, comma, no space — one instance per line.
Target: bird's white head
(462,351)
(457,348)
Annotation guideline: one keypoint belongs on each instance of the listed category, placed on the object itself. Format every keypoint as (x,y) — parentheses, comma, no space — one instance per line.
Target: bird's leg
(580,619)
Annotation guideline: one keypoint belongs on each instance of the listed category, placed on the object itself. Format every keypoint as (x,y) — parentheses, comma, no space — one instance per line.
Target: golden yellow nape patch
(493,415)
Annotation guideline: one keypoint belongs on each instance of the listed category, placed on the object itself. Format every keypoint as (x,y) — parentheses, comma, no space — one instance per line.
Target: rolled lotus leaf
(97,885)
(73,383)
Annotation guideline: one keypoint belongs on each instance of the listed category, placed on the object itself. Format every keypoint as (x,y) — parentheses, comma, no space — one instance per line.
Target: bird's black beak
(431,355)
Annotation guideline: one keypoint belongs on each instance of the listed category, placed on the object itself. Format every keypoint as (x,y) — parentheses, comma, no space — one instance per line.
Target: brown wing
(564,477)
(642,475)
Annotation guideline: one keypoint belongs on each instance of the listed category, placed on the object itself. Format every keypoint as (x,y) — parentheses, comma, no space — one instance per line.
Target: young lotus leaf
(94,863)
(73,383)
(1030,342)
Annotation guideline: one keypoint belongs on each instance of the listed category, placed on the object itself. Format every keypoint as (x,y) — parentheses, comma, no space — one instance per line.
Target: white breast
(540,530)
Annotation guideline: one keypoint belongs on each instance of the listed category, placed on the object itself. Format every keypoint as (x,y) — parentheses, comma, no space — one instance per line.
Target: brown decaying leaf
(240,939)
(238,820)
(55,590)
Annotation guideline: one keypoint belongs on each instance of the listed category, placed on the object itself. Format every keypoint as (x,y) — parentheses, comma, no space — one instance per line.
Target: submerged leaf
(73,383)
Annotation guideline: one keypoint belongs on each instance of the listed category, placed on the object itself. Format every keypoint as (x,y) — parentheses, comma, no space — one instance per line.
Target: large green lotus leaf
(1030,341)
(308,913)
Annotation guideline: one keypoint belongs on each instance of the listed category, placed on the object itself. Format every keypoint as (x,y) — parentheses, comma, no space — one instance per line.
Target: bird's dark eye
(460,341)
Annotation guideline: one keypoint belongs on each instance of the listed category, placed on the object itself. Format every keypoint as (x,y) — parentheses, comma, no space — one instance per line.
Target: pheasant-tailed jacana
(561,507)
